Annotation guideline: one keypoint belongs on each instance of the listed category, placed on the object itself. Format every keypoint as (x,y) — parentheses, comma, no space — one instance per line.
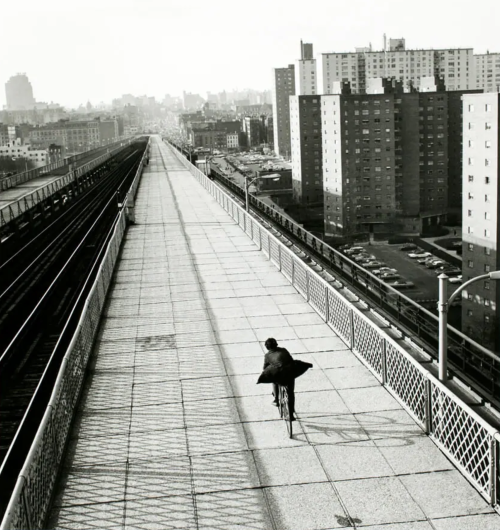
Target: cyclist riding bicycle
(279,361)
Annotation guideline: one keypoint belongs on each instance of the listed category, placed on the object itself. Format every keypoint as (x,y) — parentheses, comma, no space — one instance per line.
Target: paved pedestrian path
(172,431)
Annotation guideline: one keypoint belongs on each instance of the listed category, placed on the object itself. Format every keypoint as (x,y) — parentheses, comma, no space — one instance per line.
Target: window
(487,251)
(471,247)
(469,213)
(487,216)
(487,285)
(471,178)
(487,144)
(487,126)
(470,264)
(487,198)
(486,180)
(487,233)
(487,268)
(471,161)
(470,195)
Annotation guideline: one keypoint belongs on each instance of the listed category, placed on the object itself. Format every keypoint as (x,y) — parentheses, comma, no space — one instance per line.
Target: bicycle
(284,408)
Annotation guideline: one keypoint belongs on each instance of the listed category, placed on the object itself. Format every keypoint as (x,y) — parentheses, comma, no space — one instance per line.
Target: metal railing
(473,363)
(466,438)
(30,501)
(29,200)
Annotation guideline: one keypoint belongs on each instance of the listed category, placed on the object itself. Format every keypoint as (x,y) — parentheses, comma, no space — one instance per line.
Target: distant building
(391,160)
(455,66)
(192,101)
(283,88)
(75,136)
(232,141)
(14,150)
(253,130)
(306,82)
(19,93)
(481,218)
(487,72)
(306,148)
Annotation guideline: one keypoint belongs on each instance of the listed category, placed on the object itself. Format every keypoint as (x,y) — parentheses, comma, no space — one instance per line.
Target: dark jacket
(278,358)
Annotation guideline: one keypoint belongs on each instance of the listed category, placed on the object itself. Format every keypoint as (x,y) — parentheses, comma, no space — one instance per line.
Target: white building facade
(481,203)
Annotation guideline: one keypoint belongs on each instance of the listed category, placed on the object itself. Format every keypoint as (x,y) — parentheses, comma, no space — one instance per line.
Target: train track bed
(44,281)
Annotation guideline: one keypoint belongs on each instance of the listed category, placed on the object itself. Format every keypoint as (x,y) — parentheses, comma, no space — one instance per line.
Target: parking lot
(425,280)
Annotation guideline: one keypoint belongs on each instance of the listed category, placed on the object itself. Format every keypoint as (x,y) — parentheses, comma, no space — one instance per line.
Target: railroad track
(43,287)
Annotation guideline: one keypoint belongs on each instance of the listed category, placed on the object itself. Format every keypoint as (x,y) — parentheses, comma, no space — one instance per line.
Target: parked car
(434,264)
(449,271)
(408,246)
(456,279)
(354,250)
(374,265)
(401,284)
(415,255)
(390,276)
(380,271)
(362,256)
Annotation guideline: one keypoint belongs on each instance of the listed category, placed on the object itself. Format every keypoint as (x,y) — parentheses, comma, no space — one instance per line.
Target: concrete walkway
(174,433)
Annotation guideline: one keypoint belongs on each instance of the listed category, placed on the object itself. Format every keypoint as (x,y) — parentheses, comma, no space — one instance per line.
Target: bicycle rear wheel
(284,406)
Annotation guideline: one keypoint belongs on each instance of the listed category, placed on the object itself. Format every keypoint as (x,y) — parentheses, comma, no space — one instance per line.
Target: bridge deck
(173,432)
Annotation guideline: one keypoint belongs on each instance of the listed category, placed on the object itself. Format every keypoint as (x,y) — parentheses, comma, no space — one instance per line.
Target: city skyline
(184,52)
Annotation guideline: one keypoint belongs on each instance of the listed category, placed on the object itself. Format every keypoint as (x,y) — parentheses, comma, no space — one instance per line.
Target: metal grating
(317,294)
(339,315)
(462,437)
(300,277)
(406,380)
(368,342)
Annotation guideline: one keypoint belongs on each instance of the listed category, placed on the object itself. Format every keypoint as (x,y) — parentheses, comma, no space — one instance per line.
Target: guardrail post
(293,271)
(307,286)
(351,327)
(383,358)
(428,407)
(279,257)
(327,304)
(493,470)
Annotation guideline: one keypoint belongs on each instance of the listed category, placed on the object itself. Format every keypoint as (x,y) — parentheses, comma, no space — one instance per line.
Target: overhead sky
(75,51)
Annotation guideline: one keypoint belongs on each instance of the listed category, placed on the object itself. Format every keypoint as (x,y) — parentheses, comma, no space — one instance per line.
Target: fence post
(428,407)
(260,238)
(384,361)
(279,256)
(351,327)
(293,271)
(493,470)
(307,286)
(327,305)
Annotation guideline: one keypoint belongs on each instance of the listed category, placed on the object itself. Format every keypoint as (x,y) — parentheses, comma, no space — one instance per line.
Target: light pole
(443,305)
(249,183)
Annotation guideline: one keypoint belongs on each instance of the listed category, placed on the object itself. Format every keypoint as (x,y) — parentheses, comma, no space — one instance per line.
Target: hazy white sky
(79,50)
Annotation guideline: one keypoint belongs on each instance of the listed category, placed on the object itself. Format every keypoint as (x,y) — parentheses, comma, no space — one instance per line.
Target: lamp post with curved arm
(443,304)
(248,183)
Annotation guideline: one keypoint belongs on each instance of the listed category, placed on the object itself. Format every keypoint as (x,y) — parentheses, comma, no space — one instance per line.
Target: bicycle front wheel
(285,410)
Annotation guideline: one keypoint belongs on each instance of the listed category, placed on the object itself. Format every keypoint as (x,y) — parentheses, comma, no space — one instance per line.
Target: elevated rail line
(43,287)
(476,366)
